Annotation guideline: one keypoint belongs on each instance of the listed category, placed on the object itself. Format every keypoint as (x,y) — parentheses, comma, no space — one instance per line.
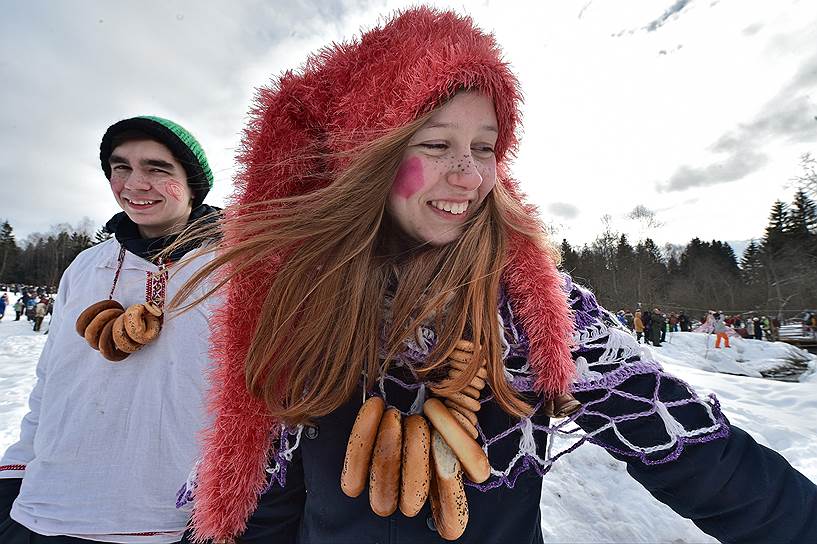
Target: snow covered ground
(587,496)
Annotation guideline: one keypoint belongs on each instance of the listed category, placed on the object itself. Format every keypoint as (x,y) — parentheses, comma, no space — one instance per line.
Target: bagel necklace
(407,461)
(117,332)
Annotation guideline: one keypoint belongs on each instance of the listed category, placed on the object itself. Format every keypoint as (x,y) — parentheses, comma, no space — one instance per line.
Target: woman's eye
(121,168)
(437,146)
(483,150)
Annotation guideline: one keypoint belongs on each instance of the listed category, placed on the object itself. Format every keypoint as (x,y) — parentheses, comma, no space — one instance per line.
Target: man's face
(150,185)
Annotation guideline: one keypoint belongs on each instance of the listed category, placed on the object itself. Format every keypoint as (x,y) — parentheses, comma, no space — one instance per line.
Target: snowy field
(587,496)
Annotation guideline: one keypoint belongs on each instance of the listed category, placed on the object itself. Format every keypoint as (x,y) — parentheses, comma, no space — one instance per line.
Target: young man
(107,444)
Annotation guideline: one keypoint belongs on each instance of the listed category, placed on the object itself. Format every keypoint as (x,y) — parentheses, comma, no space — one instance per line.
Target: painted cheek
(174,190)
(117,184)
(409,179)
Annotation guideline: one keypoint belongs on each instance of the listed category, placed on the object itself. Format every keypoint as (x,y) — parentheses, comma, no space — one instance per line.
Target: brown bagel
(482,372)
(107,347)
(141,325)
(465,345)
(359,447)
(468,414)
(384,475)
(121,339)
(466,424)
(477,383)
(94,328)
(471,391)
(153,309)
(449,504)
(91,312)
(473,458)
(463,400)
(460,356)
(415,468)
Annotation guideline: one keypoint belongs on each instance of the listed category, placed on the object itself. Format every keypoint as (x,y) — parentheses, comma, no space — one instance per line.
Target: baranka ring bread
(91,312)
(465,401)
(384,475)
(449,504)
(359,448)
(141,325)
(107,347)
(465,345)
(466,424)
(467,414)
(94,328)
(415,470)
(470,454)
(121,339)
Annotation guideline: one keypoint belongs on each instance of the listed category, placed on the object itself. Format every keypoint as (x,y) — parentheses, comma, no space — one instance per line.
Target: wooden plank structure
(798,334)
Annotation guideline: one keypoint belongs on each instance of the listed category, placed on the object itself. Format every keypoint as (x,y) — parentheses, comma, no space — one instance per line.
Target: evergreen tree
(8,253)
(101,235)
(751,263)
(774,239)
(802,219)
(570,259)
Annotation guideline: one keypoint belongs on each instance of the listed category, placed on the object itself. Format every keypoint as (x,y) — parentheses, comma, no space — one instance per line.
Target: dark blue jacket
(731,487)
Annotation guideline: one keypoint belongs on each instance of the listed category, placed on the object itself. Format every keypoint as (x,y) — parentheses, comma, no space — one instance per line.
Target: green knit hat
(183,145)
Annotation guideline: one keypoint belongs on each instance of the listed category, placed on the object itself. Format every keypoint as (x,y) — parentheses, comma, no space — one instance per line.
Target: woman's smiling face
(447,170)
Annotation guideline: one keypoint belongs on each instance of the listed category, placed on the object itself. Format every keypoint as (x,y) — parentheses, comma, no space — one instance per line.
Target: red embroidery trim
(156,286)
(12,467)
(120,260)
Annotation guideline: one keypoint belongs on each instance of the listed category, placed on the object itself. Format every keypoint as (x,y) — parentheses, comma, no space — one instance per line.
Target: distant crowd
(32,302)
(652,327)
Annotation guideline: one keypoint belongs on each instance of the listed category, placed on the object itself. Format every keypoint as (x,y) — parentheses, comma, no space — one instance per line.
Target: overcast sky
(696,109)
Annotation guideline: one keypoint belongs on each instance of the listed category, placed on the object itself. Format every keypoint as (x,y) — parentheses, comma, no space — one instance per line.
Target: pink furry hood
(344,95)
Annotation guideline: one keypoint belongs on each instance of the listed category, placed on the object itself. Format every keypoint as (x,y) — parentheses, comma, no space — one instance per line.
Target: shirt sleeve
(19,454)
(679,446)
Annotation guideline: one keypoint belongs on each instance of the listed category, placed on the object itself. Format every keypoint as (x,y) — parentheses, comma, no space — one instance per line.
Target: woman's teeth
(455,208)
(141,202)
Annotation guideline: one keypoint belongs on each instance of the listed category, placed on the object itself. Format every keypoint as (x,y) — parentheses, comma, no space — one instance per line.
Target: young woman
(379,249)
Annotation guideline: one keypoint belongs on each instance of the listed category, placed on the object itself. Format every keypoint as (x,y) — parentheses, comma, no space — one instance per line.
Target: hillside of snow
(587,496)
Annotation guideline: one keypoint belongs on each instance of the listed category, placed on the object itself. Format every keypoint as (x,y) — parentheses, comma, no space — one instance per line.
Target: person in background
(18,309)
(114,418)
(646,317)
(673,322)
(683,322)
(638,323)
(719,328)
(658,330)
(4,300)
(757,325)
(40,311)
(629,318)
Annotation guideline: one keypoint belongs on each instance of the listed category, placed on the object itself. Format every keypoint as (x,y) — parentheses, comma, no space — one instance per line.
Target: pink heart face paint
(447,171)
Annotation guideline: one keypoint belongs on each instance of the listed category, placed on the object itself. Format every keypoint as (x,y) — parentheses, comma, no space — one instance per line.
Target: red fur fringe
(344,96)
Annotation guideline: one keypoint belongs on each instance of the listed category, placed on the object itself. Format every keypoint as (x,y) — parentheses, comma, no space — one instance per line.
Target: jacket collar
(127,234)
